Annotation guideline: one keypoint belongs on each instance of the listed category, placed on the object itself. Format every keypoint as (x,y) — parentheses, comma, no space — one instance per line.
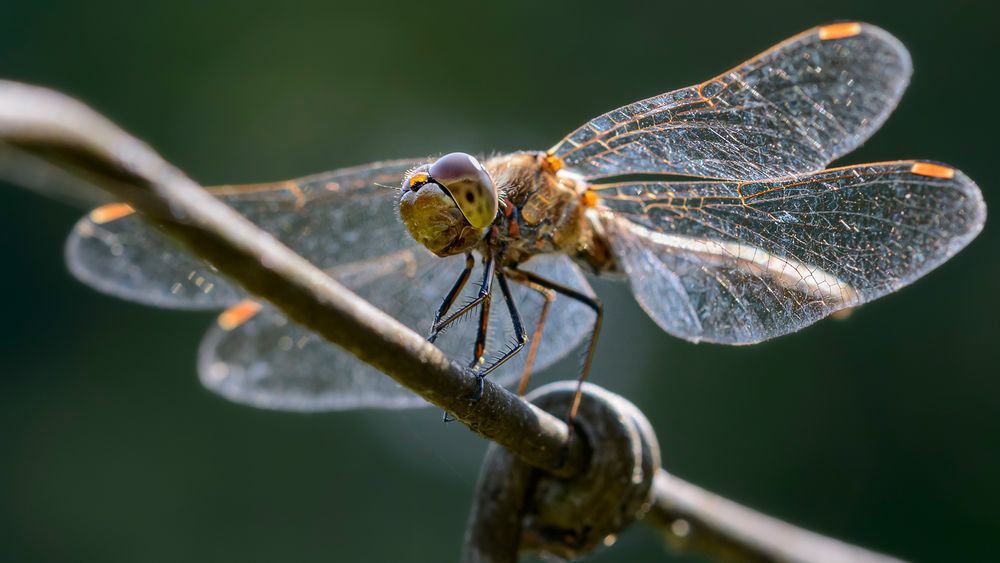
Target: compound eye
(469,185)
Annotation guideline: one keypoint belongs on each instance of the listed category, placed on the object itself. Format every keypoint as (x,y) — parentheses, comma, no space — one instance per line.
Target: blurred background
(881,429)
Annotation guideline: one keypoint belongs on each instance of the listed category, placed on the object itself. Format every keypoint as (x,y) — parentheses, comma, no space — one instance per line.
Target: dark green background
(881,430)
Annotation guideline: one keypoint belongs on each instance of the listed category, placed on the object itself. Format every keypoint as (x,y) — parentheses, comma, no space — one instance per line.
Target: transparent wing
(254,355)
(332,218)
(792,109)
(741,262)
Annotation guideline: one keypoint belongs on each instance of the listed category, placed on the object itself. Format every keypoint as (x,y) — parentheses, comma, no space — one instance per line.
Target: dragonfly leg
(520,335)
(483,300)
(452,295)
(484,293)
(587,300)
(536,337)
(479,349)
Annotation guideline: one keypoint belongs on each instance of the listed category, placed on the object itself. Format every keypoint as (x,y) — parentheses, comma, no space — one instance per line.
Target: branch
(691,518)
(53,143)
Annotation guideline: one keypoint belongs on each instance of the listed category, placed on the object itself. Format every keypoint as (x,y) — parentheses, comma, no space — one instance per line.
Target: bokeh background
(883,429)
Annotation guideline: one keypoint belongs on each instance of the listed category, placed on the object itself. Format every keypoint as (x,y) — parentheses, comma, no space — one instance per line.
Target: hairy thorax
(544,209)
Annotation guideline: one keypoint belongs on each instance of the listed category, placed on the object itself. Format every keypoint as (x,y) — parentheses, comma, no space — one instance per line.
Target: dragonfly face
(447,205)
(762,240)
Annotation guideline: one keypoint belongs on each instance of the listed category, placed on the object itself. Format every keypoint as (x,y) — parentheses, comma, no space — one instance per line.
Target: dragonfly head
(448,205)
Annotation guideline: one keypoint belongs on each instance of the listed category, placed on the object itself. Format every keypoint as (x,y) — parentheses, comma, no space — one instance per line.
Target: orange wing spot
(552,163)
(238,314)
(332,186)
(111,212)
(590,199)
(839,30)
(932,170)
(842,314)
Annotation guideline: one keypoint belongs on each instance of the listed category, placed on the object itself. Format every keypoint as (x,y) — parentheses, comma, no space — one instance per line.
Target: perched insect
(760,242)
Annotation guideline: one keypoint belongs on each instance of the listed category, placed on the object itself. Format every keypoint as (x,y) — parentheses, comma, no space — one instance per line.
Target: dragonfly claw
(480,377)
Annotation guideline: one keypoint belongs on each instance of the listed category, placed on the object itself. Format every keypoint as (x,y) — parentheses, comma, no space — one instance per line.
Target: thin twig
(691,518)
(47,139)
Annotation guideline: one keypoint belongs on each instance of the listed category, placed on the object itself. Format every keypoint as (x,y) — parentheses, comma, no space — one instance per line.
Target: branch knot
(531,511)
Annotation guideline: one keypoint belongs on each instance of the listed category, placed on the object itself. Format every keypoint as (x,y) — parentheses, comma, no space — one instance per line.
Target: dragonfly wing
(792,109)
(116,252)
(255,356)
(741,262)
(332,218)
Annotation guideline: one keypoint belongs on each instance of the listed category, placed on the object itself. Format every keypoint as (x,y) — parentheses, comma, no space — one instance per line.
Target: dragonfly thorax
(544,211)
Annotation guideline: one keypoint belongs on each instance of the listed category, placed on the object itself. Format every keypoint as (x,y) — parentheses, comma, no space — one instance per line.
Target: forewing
(332,218)
(255,356)
(792,109)
(738,263)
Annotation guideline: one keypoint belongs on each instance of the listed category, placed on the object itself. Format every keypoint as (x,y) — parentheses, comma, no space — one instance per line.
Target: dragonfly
(713,202)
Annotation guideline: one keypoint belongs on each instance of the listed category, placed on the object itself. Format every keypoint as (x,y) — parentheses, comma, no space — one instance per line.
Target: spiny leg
(587,300)
(536,337)
(452,295)
(479,349)
(483,299)
(485,287)
(520,335)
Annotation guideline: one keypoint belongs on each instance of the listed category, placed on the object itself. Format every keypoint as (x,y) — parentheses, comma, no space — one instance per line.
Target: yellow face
(448,205)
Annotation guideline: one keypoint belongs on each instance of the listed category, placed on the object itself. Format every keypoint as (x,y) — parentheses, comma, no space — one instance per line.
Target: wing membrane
(269,362)
(791,109)
(741,262)
(331,218)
